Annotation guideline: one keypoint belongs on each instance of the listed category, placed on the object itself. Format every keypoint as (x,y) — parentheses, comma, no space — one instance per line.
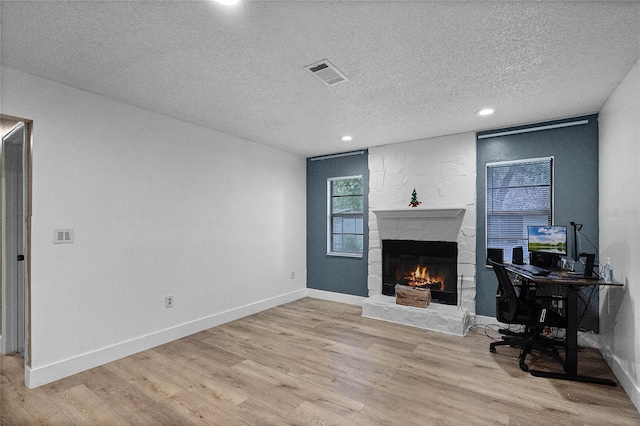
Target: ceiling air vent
(327,73)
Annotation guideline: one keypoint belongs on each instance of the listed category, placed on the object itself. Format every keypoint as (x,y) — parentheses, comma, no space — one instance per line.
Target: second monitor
(546,245)
(547,239)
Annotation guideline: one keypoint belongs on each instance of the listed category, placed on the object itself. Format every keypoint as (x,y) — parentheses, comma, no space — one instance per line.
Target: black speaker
(495,254)
(589,264)
(517,256)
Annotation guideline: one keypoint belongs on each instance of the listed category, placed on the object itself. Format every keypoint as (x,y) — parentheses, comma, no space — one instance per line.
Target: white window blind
(519,194)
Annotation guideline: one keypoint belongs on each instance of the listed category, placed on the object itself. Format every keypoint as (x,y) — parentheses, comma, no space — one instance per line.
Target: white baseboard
(335,297)
(484,320)
(39,376)
(589,339)
(631,388)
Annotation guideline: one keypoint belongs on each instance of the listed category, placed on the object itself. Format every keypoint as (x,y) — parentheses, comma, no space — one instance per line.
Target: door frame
(8,344)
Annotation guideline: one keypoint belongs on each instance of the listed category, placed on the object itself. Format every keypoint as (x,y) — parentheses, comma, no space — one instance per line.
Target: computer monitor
(547,239)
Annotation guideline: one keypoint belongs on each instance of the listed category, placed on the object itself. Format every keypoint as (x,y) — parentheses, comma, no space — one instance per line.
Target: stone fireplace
(442,170)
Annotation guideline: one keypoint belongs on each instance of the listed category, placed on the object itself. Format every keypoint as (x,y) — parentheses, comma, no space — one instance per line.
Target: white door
(14,241)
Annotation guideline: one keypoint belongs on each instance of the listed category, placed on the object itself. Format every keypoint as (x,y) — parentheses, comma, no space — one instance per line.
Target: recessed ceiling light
(346,138)
(228,2)
(486,111)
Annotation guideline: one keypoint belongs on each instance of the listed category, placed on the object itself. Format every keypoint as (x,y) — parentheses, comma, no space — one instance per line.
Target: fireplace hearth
(422,264)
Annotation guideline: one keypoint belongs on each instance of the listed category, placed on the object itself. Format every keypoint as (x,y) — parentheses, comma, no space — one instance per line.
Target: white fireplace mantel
(416,212)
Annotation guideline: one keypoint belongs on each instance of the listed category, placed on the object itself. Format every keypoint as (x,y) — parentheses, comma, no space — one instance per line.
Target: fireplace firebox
(426,264)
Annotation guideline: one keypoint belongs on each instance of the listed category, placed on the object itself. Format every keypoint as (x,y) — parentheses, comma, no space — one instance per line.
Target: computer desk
(573,284)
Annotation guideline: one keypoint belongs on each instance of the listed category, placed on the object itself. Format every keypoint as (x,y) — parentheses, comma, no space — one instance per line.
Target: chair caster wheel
(524,367)
(492,349)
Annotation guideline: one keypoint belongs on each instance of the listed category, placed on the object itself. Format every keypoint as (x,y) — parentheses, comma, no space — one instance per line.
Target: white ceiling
(418,69)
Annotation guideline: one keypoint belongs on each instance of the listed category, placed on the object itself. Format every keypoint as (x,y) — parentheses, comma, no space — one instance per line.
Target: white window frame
(507,256)
(330,252)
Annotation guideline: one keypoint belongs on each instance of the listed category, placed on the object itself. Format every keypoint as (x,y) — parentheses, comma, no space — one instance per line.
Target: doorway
(14,294)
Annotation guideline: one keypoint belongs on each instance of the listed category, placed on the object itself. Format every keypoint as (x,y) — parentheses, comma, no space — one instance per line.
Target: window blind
(519,194)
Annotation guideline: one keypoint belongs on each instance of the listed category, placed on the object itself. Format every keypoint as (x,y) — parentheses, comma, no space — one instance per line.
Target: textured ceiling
(418,69)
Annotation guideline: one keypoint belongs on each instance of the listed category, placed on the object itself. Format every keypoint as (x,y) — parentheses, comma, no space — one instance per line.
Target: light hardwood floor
(313,362)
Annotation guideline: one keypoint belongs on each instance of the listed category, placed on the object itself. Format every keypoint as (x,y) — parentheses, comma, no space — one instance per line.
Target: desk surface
(561,277)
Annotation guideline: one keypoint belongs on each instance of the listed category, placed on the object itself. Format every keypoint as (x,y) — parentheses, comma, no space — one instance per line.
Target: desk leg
(571,356)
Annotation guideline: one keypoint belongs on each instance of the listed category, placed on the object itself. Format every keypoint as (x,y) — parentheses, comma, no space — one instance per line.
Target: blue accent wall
(338,274)
(575,152)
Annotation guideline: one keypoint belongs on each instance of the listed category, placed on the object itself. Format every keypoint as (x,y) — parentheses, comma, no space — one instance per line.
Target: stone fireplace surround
(423,225)
(443,172)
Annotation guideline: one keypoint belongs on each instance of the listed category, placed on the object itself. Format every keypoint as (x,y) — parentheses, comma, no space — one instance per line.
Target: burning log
(422,278)
(412,296)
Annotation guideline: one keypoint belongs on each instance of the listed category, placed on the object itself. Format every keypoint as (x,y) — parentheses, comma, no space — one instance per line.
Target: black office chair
(512,309)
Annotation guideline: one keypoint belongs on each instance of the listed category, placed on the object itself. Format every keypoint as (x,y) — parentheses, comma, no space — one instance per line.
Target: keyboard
(533,270)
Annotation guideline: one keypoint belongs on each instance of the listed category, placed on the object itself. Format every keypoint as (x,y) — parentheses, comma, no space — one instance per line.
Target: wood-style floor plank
(83,407)
(314,362)
(326,399)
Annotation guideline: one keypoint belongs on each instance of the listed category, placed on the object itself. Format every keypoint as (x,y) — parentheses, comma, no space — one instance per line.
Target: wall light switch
(63,236)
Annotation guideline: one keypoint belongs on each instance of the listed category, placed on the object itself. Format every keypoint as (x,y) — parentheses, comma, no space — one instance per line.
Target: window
(345,216)
(519,194)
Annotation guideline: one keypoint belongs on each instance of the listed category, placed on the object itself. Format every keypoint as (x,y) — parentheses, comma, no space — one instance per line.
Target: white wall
(159,207)
(619,174)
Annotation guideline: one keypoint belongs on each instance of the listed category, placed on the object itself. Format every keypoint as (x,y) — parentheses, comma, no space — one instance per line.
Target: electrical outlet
(168,302)
(293,275)
(557,303)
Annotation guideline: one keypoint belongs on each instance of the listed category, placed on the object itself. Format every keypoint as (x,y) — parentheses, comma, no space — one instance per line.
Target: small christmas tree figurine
(414,199)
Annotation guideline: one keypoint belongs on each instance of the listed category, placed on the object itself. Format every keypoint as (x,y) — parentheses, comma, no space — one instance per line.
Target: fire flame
(421,277)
